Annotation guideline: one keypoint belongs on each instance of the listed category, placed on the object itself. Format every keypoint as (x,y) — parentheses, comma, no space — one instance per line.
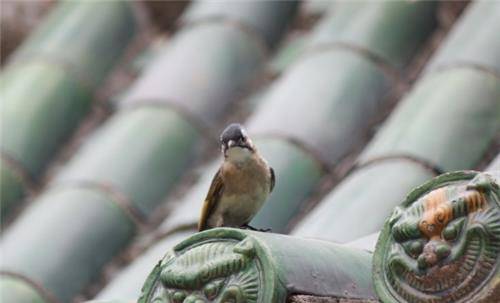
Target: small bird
(241,185)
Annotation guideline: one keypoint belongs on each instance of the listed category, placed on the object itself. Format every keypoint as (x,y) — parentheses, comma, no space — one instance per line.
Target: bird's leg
(247,226)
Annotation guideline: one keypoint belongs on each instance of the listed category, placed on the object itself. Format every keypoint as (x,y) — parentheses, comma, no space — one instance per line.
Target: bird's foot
(265,230)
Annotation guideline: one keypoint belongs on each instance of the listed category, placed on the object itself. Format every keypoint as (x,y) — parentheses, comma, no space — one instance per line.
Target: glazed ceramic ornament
(443,243)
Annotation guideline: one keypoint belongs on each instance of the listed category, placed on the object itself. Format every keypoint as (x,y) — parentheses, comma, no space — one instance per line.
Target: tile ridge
(427,165)
(19,170)
(117,197)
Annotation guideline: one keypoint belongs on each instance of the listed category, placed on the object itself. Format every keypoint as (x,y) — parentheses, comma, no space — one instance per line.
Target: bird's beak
(237,143)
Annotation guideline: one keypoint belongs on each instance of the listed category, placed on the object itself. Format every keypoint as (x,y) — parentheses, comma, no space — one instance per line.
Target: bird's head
(235,143)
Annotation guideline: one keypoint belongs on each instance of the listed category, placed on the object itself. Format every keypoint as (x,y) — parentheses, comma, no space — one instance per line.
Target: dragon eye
(211,290)
(178,297)
(414,248)
(450,233)
(453,229)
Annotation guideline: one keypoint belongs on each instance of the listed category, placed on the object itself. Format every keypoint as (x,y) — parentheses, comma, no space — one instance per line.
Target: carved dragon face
(445,244)
(222,272)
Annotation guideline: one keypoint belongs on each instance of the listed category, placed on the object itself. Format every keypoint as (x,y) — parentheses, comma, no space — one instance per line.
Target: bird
(241,185)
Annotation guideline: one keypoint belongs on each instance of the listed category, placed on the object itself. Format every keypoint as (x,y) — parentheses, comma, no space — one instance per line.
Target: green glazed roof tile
(211,81)
(127,284)
(342,69)
(372,26)
(265,18)
(15,290)
(365,243)
(297,172)
(328,80)
(48,83)
(54,243)
(12,189)
(287,54)
(113,182)
(459,107)
(35,124)
(359,204)
(473,40)
(139,152)
(183,214)
(87,49)
(275,267)
(446,122)
(344,85)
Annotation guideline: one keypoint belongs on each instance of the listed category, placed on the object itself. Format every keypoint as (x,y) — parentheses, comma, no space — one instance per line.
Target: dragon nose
(434,251)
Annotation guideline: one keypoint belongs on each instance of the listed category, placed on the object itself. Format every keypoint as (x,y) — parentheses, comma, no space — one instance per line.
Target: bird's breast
(251,177)
(246,188)
(237,210)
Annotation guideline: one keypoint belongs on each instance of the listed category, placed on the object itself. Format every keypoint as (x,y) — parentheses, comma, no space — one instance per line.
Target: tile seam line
(117,198)
(246,29)
(43,292)
(20,171)
(465,64)
(352,300)
(343,295)
(77,75)
(302,146)
(425,164)
(165,104)
(158,236)
(392,72)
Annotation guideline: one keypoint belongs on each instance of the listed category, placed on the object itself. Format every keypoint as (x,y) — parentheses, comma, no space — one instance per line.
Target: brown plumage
(241,185)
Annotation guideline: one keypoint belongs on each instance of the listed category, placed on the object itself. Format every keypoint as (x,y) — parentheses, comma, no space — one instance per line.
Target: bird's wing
(273,179)
(213,196)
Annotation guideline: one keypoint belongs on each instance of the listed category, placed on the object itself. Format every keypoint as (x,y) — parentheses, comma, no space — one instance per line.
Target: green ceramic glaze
(263,19)
(231,265)
(443,243)
(363,199)
(32,134)
(86,50)
(46,87)
(121,173)
(163,148)
(63,240)
(452,105)
(14,290)
(391,31)
(11,188)
(466,45)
